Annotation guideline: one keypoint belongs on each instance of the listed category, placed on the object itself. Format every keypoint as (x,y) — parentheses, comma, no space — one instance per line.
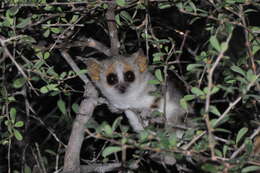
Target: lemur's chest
(133,101)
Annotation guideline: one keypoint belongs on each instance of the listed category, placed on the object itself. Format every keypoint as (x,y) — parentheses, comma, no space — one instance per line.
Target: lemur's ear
(94,68)
(141,60)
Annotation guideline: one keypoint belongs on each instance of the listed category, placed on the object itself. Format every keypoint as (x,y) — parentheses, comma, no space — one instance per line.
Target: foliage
(211,47)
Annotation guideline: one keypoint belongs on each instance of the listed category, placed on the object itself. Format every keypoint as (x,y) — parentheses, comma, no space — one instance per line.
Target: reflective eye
(129,76)
(112,79)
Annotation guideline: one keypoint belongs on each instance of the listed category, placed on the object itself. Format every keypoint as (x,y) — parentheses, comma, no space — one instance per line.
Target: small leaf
(56,30)
(27,169)
(183,104)
(44,90)
(191,67)
(125,15)
(250,169)
(19,124)
(189,97)
(74,18)
(13,114)
(143,136)
(224,46)
(24,23)
(109,150)
(18,135)
(46,55)
(154,82)
(158,56)
(47,33)
(62,106)
(197,91)
(214,110)
(173,140)
(121,2)
(18,83)
(75,107)
(108,130)
(158,75)
(214,43)
(13,11)
(250,76)
(50,152)
(238,70)
(240,134)
(116,123)
(209,168)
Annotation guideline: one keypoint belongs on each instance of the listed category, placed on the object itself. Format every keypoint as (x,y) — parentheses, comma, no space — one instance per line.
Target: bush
(211,48)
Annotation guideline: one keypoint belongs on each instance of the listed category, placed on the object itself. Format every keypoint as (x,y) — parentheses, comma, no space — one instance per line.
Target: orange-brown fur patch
(257,145)
(110,69)
(127,67)
(94,70)
(141,61)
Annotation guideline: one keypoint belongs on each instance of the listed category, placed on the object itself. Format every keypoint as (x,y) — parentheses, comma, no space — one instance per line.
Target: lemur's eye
(129,76)
(112,79)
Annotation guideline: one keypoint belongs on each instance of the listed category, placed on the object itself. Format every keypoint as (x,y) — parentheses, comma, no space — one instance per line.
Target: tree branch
(112,30)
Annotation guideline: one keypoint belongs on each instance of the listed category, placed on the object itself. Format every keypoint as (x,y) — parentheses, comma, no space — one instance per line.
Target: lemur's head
(118,76)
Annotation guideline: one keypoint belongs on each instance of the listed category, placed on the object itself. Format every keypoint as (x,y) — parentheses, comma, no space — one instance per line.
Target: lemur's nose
(121,88)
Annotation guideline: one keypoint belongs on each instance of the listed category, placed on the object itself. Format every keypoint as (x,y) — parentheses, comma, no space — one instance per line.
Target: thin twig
(257,131)
(112,30)
(74,66)
(207,105)
(7,52)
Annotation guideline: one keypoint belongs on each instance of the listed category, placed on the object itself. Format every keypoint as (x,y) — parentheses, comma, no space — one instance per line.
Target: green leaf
(50,152)
(225,149)
(209,168)
(74,18)
(111,149)
(17,135)
(75,107)
(125,15)
(117,19)
(56,30)
(184,104)
(47,88)
(224,46)
(158,75)
(108,130)
(250,169)
(240,134)
(197,91)
(116,123)
(158,56)
(19,124)
(214,43)
(214,110)
(24,23)
(154,82)
(173,140)
(189,97)
(62,106)
(191,67)
(250,76)
(44,90)
(238,70)
(46,55)
(121,2)
(27,169)
(18,83)
(143,136)
(13,114)
(47,33)
(13,11)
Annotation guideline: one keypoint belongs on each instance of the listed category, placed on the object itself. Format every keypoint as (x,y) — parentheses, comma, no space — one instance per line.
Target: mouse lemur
(124,82)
